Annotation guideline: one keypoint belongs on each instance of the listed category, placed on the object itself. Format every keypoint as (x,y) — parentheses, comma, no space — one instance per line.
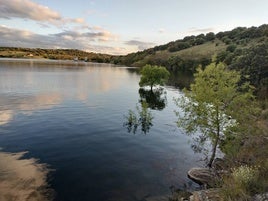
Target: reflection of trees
(156,99)
(141,118)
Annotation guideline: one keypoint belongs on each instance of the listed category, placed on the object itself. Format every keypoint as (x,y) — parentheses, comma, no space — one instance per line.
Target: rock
(180,195)
(206,195)
(262,197)
(203,176)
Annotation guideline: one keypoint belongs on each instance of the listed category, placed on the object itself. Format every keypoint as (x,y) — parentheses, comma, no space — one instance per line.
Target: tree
(215,106)
(153,75)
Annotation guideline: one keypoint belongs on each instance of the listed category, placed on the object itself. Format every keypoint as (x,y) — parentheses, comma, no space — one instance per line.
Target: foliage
(215,106)
(241,184)
(59,54)
(143,119)
(153,75)
(242,49)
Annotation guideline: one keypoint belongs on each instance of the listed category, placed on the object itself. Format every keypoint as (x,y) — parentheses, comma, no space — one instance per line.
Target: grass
(206,50)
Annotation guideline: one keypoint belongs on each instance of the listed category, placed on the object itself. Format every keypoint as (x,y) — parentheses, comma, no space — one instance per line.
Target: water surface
(70,116)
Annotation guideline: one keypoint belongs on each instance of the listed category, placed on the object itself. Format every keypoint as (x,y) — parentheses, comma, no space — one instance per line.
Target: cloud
(161,31)
(89,41)
(75,34)
(27,9)
(204,30)
(141,45)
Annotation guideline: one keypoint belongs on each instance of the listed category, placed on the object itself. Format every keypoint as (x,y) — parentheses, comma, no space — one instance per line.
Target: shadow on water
(141,118)
(180,79)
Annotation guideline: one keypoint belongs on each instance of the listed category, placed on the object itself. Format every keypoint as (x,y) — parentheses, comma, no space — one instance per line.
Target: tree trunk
(214,151)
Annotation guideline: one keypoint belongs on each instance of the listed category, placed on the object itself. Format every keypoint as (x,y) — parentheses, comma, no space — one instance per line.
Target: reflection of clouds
(9,105)
(42,101)
(25,89)
(22,179)
(97,79)
(5,116)
(106,78)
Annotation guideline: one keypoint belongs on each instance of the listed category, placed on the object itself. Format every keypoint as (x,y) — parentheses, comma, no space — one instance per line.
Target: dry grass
(206,50)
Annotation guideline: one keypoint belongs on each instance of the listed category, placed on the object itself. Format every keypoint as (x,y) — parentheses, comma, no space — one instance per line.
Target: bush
(241,184)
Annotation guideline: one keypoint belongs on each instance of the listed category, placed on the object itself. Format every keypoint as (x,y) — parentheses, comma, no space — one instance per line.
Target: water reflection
(156,99)
(23,179)
(180,79)
(5,116)
(10,105)
(142,117)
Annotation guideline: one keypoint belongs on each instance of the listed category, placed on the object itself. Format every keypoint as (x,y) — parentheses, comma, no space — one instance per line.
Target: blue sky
(118,26)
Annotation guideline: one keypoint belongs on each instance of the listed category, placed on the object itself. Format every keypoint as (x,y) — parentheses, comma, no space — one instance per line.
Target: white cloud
(161,31)
(27,9)
(140,44)
(194,30)
(89,41)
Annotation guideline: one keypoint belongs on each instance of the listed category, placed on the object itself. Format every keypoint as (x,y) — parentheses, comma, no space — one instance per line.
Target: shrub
(241,184)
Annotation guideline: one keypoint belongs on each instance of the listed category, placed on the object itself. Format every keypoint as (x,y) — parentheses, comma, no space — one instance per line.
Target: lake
(71,115)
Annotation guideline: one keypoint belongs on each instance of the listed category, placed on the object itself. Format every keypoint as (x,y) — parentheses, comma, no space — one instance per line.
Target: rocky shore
(208,179)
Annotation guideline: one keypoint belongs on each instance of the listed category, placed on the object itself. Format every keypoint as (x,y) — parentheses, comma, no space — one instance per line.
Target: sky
(120,27)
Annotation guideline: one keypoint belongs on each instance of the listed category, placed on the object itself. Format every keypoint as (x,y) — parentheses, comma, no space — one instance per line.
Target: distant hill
(59,54)
(243,49)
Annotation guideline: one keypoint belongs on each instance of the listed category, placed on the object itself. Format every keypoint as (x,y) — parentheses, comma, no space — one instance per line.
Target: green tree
(216,106)
(153,75)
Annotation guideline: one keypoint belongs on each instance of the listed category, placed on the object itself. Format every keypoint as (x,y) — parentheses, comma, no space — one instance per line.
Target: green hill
(243,49)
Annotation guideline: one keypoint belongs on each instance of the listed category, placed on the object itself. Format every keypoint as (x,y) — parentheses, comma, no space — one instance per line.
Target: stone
(206,195)
(260,197)
(203,176)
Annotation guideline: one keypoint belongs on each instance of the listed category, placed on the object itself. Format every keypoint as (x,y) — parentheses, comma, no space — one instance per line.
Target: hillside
(59,54)
(242,49)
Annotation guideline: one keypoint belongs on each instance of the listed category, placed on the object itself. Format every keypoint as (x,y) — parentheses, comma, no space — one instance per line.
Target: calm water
(70,116)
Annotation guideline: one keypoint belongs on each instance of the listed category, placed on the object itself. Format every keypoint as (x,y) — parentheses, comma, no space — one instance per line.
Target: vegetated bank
(55,54)
(242,49)
(242,175)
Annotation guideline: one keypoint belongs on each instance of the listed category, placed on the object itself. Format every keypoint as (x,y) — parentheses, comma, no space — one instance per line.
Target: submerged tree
(143,119)
(153,75)
(215,106)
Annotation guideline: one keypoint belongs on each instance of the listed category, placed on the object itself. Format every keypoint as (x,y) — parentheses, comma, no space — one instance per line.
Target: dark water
(70,116)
